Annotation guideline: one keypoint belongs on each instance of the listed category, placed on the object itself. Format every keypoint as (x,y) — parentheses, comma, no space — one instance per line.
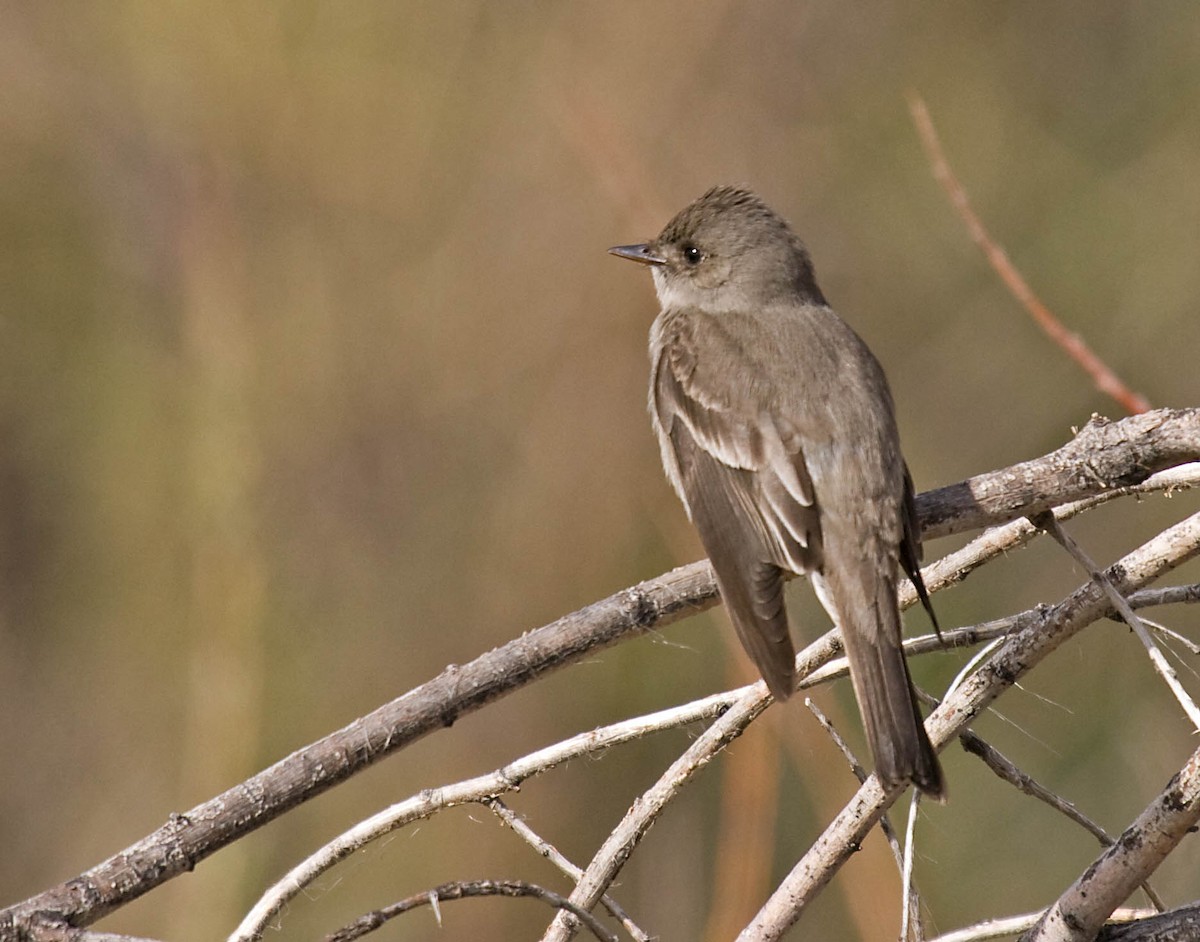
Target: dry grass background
(315,378)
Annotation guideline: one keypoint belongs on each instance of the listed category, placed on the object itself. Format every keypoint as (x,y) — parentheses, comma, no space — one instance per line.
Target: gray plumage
(778,432)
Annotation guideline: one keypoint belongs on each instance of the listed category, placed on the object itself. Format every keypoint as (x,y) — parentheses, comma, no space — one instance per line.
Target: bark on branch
(1103,455)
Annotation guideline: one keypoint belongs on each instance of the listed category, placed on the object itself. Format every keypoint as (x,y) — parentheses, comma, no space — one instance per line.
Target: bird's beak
(643,253)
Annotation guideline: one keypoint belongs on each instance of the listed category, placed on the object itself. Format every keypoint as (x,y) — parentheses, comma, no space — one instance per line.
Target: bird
(777,430)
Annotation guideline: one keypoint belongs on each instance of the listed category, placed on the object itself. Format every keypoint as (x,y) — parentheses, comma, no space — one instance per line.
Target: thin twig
(902,855)
(555,856)
(1006,769)
(1011,925)
(912,900)
(856,767)
(1071,343)
(466,889)
(1166,634)
(1121,604)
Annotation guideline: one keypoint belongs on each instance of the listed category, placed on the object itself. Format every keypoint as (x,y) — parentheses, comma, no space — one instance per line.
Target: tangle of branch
(1015,657)
(1103,457)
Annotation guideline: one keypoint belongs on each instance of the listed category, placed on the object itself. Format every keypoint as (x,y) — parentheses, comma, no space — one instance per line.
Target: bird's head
(726,251)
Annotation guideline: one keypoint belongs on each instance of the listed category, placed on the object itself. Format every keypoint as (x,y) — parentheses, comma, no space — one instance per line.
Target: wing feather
(775,496)
(740,471)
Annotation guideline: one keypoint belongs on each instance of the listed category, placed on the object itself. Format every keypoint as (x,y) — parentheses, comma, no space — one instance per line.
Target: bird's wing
(740,470)
(735,424)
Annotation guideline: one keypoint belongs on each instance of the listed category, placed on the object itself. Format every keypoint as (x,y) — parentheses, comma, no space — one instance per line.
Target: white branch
(1011,925)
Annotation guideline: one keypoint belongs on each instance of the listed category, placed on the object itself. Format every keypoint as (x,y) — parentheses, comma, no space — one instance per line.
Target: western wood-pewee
(778,432)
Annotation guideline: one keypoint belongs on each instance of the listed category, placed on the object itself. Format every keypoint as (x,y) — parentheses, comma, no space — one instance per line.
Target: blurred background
(316,378)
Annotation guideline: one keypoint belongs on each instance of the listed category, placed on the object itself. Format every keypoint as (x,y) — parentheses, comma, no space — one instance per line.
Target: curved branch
(466,889)
(481,788)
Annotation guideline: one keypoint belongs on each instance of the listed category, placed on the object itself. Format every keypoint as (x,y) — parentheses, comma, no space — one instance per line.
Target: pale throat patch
(677,293)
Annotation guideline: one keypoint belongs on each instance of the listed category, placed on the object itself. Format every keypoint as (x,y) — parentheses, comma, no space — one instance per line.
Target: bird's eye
(692,255)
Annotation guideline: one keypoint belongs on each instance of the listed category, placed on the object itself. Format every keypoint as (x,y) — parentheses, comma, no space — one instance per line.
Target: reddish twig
(1105,379)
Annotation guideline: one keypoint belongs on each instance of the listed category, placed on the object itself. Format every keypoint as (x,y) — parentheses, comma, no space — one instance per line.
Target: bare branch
(1006,769)
(1071,343)
(1178,925)
(1011,925)
(1079,913)
(1171,595)
(465,889)
(552,854)
(1104,455)
(479,789)
(1047,522)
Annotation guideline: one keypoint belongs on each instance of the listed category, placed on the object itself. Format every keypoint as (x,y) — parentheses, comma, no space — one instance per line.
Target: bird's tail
(895,730)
